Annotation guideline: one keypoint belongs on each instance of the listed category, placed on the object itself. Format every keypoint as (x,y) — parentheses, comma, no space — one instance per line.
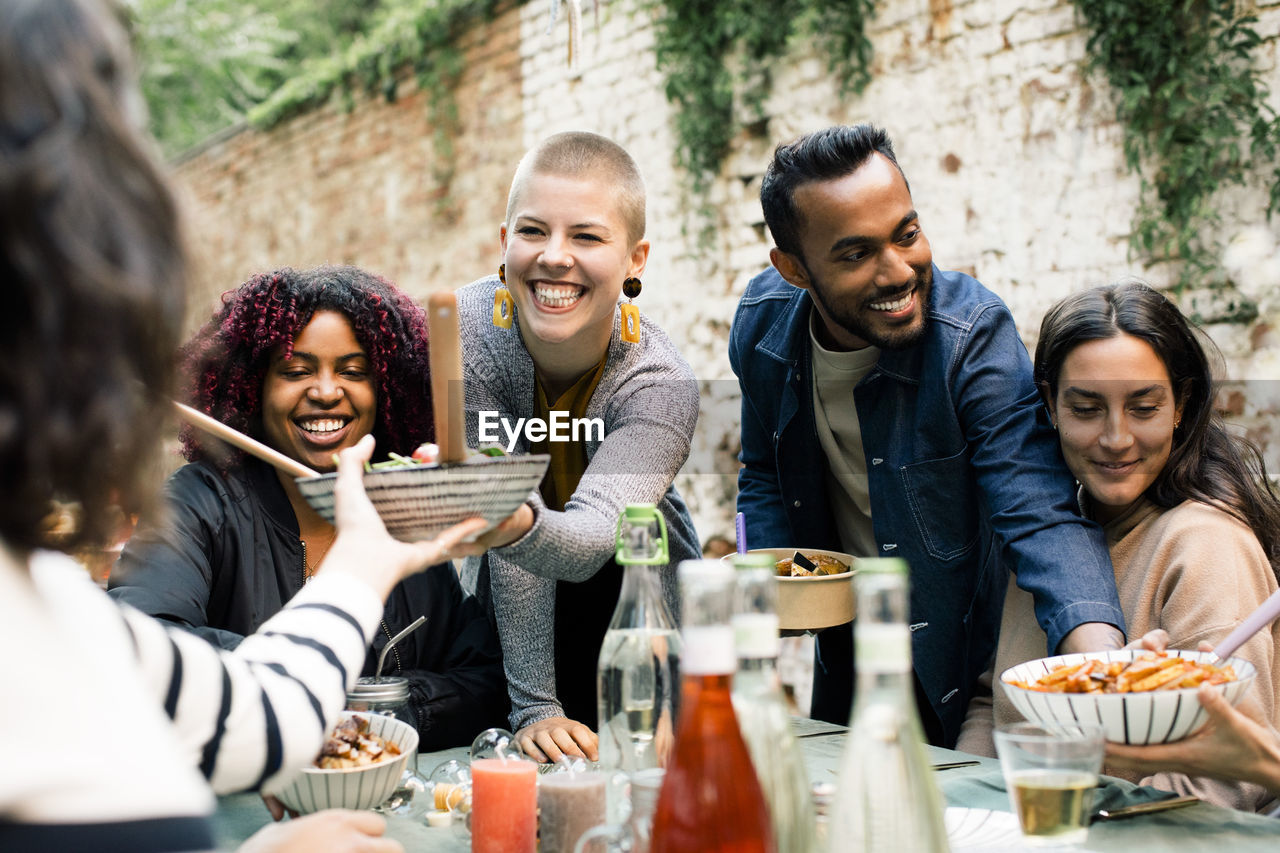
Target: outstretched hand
(365,548)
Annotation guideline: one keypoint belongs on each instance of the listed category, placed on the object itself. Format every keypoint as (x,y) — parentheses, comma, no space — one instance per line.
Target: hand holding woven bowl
(353,787)
(419,502)
(1138,718)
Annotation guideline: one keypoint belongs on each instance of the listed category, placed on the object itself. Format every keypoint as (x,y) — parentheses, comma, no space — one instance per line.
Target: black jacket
(228,556)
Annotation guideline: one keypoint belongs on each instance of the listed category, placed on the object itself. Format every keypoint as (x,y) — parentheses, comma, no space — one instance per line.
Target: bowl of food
(815,591)
(419,501)
(359,767)
(1138,697)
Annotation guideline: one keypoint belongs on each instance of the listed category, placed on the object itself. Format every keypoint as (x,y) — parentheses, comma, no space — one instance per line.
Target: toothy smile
(557,295)
(895,305)
(321,426)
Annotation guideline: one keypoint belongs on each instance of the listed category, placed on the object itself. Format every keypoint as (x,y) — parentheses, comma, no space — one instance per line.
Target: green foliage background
(1192,103)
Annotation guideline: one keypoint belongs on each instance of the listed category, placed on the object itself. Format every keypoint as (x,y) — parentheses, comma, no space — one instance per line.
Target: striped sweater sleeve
(250,718)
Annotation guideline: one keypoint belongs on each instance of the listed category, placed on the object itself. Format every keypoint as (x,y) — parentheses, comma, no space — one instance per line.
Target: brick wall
(1013,154)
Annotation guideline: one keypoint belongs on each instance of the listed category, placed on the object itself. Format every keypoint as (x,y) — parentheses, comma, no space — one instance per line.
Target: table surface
(1200,827)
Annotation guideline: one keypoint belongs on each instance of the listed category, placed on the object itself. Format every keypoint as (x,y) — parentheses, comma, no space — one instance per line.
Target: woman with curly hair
(308,362)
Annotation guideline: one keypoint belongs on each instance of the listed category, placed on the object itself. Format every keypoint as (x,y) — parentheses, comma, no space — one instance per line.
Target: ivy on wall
(1195,117)
(716,56)
(422,36)
(1192,105)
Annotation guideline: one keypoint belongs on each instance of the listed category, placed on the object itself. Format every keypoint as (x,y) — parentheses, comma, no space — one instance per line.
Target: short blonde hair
(581,154)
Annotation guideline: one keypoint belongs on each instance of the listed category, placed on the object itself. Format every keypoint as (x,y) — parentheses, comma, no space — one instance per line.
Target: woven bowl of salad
(420,499)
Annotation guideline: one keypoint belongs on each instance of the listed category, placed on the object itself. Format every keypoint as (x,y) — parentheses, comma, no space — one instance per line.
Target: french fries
(1147,671)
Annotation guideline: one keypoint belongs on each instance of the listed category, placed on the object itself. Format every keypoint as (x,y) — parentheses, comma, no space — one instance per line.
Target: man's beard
(884,336)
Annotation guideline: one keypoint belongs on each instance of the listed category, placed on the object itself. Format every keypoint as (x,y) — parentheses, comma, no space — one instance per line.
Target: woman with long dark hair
(1192,523)
(123,726)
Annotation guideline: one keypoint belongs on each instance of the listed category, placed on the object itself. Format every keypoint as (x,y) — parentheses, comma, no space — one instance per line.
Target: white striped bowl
(353,787)
(420,501)
(1155,716)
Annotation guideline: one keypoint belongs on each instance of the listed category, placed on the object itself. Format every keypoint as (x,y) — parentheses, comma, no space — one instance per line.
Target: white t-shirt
(834,376)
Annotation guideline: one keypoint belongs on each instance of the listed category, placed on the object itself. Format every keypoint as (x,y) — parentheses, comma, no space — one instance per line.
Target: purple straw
(1257,620)
(740,527)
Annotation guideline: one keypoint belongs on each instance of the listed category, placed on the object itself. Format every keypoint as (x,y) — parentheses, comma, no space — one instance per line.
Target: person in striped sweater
(121,729)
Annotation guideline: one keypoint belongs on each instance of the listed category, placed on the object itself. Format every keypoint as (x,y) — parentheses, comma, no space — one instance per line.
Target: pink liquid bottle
(710,799)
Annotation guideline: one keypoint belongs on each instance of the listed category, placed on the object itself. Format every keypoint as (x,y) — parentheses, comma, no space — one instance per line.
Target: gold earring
(503,304)
(630,323)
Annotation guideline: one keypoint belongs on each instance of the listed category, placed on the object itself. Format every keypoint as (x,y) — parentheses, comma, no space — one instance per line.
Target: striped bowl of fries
(1138,697)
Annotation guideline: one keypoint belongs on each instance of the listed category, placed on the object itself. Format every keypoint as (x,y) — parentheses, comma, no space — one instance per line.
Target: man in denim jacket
(888,410)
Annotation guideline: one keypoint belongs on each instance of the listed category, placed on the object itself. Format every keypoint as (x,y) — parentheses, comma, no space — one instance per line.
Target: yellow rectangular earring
(503,308)
(630,323)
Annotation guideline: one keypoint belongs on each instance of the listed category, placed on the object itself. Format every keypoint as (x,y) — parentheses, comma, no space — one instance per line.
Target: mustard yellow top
(568,458)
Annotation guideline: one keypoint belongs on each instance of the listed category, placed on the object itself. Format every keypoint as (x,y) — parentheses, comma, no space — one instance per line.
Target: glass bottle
(637,677)
(710,798)
(761,708)
(887,799)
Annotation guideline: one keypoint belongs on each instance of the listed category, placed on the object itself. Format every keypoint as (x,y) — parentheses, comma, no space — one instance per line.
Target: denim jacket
(965,475)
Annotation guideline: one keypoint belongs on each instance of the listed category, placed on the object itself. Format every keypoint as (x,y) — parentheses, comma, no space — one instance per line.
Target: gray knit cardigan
(648,400)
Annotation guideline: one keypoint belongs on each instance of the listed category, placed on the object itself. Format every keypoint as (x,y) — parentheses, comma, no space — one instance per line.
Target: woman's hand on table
(546,740)
(364,548)
(335,830)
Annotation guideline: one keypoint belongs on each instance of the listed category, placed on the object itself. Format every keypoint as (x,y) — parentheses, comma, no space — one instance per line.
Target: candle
(570,804)
(504,806)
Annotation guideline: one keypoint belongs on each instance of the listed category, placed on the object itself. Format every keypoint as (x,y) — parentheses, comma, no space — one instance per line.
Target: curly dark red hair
(224,365)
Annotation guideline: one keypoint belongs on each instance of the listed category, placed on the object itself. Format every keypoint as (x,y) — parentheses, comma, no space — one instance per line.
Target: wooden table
(1200,827)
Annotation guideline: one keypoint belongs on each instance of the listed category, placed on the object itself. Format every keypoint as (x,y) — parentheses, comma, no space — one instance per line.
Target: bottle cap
(370,689)
(757,560)
(640,513)
(639,543)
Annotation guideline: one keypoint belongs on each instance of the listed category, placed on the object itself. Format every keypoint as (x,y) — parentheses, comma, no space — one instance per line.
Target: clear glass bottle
(710,798)
(887,800)
(761,708)
(638,674)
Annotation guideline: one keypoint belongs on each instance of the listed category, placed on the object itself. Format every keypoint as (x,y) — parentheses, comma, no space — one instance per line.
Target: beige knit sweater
(1194,571)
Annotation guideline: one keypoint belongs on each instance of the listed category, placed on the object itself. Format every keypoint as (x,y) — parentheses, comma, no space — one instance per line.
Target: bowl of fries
(359,767)
(810,599)
(421,501)
(1139,697)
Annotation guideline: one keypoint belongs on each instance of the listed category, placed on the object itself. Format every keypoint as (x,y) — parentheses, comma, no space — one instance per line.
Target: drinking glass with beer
(1051,770)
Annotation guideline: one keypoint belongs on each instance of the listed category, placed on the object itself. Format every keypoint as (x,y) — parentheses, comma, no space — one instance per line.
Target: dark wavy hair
(1207,462)
(225,364)
(823,155)
(93,263)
